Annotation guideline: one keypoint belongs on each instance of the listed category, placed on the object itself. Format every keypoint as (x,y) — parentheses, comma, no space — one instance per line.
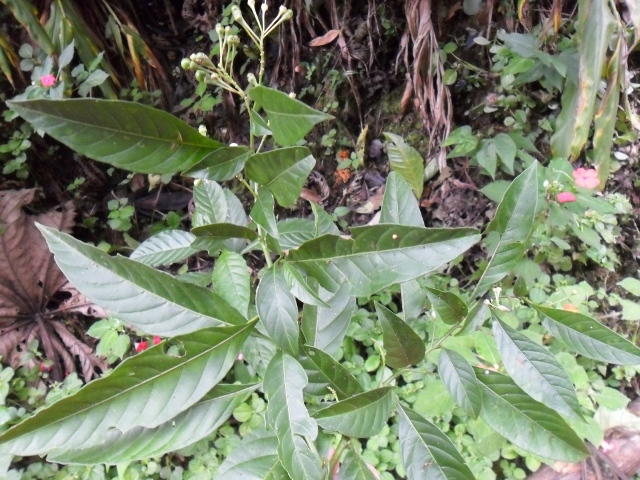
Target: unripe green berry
(201,76)
(185,63)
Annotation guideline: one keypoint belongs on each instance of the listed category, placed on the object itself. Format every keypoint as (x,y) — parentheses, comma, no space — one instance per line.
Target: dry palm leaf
(34,292)
(432,97)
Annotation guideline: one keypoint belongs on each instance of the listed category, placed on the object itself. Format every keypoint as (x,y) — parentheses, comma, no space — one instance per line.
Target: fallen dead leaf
(325,39)
(32,288)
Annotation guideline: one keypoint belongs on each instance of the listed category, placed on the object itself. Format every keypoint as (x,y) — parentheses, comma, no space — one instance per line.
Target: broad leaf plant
(297,308)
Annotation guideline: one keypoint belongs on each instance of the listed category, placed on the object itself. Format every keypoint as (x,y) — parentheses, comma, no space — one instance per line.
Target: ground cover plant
(337,351)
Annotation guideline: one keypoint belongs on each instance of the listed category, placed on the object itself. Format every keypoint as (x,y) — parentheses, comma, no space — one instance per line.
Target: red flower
(587,178)
(565,197)
(48,80)
(142,346)
(156,340)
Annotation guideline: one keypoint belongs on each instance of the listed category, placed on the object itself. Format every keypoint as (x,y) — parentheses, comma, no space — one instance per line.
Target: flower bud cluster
(221,73)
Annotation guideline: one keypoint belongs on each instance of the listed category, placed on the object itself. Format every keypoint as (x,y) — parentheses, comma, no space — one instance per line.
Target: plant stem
(395,375)
(441,339)
(335,458)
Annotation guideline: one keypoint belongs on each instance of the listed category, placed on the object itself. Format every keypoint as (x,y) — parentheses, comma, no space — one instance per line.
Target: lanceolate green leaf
(221,165)
(404,347)
(536,370)
(381,255)
(145,390)
(190,426)
(427,453)
(460,379)
(588,337)
(127,135)
(256,458)
(399,205)
(141,296)
(305,289)
(293,232)
(353,467)
(323,371)
(282,171)
(406,161)
(289,119)
(322,221)
(513,222)
(325,327)
(232,281)
(262,212)
(360,416)
(526,423)
(278,310)
(287,415)
(448,305)
(478,314)
(224,231)
(165,248)
(413,299)
(211,203)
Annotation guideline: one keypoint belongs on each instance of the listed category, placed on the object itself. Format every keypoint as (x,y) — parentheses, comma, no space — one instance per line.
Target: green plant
(120,214)
(330,374)
(505,150)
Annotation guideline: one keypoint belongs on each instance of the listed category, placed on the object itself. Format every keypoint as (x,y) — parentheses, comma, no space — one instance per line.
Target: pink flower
(565,197)
(587,178)
(48,80)
(142,346)
(156,340)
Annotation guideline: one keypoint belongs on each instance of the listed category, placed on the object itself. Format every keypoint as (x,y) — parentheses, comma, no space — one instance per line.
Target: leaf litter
(34,293)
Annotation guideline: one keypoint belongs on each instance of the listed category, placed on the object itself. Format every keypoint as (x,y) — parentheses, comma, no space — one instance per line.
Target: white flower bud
(251,3)
(265,7)
(202,130)
(237,14)
(288,15)
(233,144)
(282,10)
(292,95)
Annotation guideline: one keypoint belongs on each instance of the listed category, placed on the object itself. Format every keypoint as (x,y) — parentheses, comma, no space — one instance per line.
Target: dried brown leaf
(325,39)
(29,280)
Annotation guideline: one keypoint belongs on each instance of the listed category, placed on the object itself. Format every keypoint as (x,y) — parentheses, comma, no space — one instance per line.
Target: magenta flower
(587,178)
(156,340)
(565,197)
(48,80)
(142,346)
